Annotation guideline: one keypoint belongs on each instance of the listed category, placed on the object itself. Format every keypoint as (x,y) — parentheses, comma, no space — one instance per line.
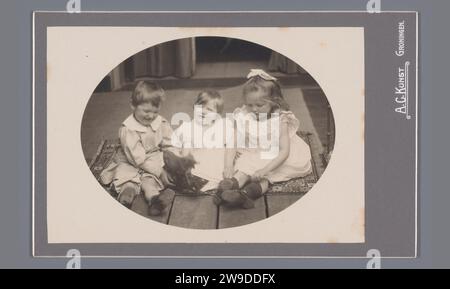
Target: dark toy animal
(179,170)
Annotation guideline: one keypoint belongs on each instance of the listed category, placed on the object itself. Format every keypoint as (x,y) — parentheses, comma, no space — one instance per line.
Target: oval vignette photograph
(207,133)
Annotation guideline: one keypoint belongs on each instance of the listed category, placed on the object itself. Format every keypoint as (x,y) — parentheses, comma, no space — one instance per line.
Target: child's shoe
(160,202)
(224,185)
(217,200)
(237,198)
(242,198)
(127,195)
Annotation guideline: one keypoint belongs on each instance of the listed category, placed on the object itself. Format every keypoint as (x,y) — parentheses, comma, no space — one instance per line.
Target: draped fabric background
(281,63)
(175,58)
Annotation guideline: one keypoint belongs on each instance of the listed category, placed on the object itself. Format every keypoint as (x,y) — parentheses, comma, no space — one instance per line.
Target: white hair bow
(261,73)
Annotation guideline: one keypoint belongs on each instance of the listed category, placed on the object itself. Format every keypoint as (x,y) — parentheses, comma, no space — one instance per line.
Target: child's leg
(166,179)
(237,181)
(245,197)
(241,178)
(234,183)
(150,188)
(157,200)
(256,189)
(128,191)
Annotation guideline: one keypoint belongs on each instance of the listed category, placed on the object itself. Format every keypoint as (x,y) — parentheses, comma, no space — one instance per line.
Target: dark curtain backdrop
(281,63)
(175,58)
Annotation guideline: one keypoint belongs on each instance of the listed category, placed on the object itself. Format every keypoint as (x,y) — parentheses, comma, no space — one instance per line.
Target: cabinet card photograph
(224,134)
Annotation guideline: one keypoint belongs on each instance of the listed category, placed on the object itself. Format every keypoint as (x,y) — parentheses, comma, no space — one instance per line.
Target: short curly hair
(210,95)
(147,92)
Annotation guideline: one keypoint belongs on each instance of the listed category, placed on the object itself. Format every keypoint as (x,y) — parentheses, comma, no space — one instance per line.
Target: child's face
(145,113)
(207,108)
(256,103)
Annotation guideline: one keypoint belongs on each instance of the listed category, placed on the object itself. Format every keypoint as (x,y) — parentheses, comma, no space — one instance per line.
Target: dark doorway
(221,49)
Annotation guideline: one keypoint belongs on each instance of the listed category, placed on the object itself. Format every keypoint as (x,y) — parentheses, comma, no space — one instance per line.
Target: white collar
(133,124)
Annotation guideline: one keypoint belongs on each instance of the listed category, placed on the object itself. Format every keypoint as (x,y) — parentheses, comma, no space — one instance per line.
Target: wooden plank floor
(199,212)
(195,212)
(277,203)
(238,217)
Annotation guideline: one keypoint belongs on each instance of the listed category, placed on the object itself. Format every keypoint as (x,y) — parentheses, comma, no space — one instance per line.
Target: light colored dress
(298,163)
(207,148)
(140,154)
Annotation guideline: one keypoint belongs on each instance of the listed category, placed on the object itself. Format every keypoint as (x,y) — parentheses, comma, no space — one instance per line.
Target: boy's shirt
(139,142)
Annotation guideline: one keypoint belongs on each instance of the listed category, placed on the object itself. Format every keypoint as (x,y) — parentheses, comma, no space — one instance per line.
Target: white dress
(298,163)
(209,156)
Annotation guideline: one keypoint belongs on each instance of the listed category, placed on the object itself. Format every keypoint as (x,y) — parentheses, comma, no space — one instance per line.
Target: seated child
(248,174)
(204,138)
(138,164)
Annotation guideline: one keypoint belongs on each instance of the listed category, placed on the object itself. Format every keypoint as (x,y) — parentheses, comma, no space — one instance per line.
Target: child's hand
(228,172)
(165,179)
(258,175)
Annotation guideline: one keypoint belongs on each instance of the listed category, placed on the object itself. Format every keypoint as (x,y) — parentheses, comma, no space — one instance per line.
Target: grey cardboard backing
(390,144)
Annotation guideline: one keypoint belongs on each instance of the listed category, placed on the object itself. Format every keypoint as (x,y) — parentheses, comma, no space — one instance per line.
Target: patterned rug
(108,148)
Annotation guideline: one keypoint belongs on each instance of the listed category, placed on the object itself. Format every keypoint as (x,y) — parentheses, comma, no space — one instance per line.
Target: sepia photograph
(207,132)
(204,137)
(188,136)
